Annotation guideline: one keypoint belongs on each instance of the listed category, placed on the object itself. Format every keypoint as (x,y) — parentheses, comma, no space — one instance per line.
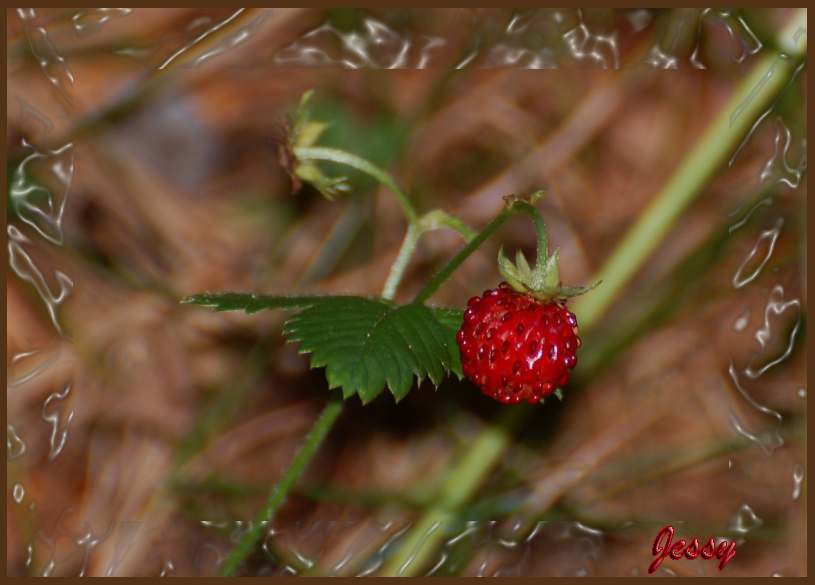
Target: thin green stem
(540,228)
(437,219)
(513,206)
(445,272)
(346,158)
(281,490)
(414,223)
(416,226)
(412,236)
(432,220)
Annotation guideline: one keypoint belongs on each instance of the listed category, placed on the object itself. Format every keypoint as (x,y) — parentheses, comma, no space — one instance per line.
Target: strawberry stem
(540,228)
(513,205)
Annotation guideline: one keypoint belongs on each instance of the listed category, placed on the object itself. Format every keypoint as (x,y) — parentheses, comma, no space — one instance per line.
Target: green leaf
(364,343)
(250,302)
(451,320)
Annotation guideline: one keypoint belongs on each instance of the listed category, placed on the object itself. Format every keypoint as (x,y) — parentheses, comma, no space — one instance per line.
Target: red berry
(516,347)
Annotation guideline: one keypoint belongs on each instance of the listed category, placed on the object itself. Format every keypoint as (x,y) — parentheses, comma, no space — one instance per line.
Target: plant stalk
(281,490)
(412,236)
(414,230)
(416,226)
(433,220)
(513,206)
(346,158)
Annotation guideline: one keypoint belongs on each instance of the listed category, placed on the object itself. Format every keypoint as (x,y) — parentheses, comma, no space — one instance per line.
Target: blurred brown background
(141,169)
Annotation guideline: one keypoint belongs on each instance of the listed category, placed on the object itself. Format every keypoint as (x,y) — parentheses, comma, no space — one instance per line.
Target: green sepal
(520,261)
(550,274)
(510,272)
(543,281)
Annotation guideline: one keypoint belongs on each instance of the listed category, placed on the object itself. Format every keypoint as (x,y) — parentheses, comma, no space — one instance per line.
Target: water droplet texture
(528,348)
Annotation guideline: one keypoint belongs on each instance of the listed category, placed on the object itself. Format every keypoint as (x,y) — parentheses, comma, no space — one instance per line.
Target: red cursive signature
(724,551)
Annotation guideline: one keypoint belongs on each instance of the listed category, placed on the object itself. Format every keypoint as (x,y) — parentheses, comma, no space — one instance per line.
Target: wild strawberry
(515,347)
(518,341)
